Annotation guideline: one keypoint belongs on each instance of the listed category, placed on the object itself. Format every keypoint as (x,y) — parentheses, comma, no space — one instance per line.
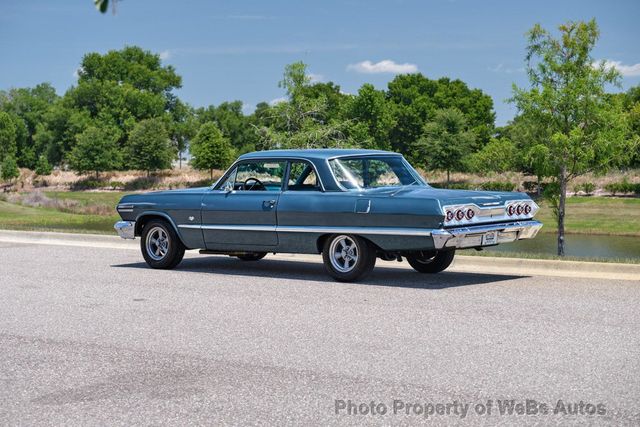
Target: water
(577,245)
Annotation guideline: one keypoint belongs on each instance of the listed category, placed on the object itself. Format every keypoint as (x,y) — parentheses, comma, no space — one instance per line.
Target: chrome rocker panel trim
(469,237)
(126,229)
(387,231)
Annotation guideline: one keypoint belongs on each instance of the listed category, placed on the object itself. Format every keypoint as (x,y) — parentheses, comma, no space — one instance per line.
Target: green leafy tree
(370,109)
(9,168)
(302,121)
(567,100)
(445,142)
(96,151)
(230,119)
(499,155)
(7,136)
(149,146)
(210,149)
(43,167)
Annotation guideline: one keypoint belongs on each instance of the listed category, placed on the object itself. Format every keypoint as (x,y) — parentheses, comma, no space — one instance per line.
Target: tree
(499,155)
(9,168)
(445,142)
(96,151)
(370,108)
(302,121)
(7,136)
(210,149)
(149,146)
(43,167)
(567,100)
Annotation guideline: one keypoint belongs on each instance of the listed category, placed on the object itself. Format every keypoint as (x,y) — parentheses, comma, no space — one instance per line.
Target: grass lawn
(585,215)
(17,217)
(596,215)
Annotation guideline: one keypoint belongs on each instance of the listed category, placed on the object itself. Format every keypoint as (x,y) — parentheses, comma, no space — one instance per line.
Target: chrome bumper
(471,237)
(126,229)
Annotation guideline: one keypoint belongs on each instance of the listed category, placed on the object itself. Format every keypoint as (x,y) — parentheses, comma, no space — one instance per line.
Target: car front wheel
(431,261)
(161,246)
(348,258)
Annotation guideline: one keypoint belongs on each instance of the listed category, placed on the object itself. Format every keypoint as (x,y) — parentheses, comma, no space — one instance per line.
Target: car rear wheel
(161,246)
(431,261)
(252,256)
(348,258)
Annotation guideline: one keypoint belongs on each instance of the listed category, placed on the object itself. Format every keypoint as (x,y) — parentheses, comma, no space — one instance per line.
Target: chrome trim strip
(230,227)
(125,229)
(388,231)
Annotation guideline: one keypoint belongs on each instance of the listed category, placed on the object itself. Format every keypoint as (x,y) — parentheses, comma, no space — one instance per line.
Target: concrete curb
(476,264)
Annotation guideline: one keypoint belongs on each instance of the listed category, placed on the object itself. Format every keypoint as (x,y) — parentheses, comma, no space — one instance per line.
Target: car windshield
(359,173)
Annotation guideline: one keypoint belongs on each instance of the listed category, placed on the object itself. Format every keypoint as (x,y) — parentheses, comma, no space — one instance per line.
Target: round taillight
(510,210)
(459,215)
(519,209)
(527,209)
(449,216)
(470,214)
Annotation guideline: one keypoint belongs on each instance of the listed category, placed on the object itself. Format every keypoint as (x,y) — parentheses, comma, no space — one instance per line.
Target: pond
(577,245)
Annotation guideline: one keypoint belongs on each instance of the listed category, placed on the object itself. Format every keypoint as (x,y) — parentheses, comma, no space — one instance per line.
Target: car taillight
(470,214)
(519,210)
(459,215)
(510,210)
(449,216)
(527,209)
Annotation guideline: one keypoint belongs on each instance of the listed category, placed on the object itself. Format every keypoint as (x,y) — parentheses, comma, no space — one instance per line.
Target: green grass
(616,216)
(16,217)
(537,255)
(110,198)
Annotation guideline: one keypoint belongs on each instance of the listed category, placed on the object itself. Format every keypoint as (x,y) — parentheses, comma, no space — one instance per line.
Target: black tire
(161,256)
(431,261)
(356,253)
(253,256)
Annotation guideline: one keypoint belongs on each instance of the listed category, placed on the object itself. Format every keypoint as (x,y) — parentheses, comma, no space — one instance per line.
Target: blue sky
(227,50)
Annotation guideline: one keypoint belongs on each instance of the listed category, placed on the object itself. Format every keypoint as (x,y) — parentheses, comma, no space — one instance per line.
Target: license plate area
(490,238)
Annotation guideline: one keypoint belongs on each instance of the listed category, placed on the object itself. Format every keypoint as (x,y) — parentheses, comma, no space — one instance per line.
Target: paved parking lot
(91,336)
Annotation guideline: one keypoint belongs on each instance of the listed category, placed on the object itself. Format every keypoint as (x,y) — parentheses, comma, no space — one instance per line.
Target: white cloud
(625,70)
(165,54)
(278,100)
(500,68)
(384,66)
(315,78)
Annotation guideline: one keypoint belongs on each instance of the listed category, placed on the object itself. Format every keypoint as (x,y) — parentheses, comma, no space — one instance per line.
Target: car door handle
(269,203)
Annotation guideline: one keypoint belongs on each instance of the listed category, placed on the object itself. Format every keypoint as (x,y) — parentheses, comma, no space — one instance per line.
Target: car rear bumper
(474,236)
(126,229)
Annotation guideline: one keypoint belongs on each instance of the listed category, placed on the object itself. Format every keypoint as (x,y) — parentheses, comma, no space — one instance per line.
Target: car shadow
(314,271)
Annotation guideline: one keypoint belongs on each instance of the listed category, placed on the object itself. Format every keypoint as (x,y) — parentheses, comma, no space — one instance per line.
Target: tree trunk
(561,206)
(211,173)
(97,175)
(179,159)
(448,178)
(538,190)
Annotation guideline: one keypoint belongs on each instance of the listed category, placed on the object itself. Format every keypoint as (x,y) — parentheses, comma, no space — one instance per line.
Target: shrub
(588,188)
(498,186)
(453,185)
(43,167)
(530,186)
(87,184)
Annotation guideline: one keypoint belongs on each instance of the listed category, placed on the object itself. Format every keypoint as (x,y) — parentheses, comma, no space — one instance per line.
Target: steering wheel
(258,183)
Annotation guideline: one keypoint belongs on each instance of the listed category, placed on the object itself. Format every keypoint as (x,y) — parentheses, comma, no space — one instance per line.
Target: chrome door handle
(269,203)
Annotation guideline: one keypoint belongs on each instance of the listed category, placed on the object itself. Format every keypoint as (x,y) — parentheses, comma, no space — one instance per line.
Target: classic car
(352,206)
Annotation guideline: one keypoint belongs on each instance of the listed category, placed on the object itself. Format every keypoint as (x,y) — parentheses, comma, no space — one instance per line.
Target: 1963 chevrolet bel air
(353,206)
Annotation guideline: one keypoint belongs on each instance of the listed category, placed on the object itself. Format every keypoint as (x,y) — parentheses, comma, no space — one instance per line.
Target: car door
(240,212)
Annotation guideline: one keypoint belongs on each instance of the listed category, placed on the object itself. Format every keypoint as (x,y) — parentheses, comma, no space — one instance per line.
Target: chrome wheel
(157,243)
(344,254)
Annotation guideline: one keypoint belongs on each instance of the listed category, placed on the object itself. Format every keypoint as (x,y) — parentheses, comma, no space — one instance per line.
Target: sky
(237,50)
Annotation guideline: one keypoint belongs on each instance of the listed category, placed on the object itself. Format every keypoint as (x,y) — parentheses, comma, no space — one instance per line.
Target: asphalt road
(90,336)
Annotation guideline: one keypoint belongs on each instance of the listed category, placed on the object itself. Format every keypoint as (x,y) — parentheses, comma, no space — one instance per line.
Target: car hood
(452,197)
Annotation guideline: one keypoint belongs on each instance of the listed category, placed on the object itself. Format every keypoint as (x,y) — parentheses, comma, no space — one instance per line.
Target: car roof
(315,153)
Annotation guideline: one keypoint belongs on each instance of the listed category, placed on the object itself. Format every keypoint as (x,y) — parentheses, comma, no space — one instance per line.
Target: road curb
(498,265)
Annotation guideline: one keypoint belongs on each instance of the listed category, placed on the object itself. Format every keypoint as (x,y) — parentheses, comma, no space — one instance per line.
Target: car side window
(302,177)
(261,175)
